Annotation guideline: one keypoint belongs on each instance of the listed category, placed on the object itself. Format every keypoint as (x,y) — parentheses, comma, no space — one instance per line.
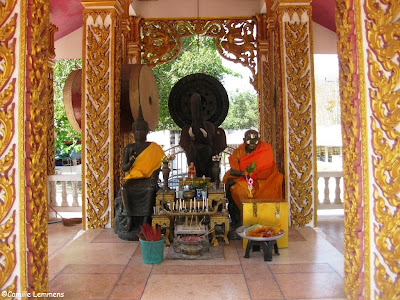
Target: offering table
(267,212)
(184,216)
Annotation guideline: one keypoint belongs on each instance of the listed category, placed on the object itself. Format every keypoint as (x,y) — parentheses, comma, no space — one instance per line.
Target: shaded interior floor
(98,265)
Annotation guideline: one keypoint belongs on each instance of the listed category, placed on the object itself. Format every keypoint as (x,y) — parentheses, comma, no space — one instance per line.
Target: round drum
(72,99)
(215,102)
(138,87)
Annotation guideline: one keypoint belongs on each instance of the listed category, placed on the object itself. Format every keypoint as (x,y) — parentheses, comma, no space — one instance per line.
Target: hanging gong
(215,102)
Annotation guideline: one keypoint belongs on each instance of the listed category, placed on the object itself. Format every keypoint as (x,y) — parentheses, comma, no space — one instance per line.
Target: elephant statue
(201,140)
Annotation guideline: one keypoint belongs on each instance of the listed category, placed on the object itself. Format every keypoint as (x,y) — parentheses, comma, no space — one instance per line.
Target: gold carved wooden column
(134,47)
(369,51)
(296,91)
(265,82)
(35,143)
(13,29)
(101,69)
(271,121)
(51,163)
(24,100)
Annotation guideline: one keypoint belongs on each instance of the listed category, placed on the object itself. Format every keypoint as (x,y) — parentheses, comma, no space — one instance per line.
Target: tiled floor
(332,226)
(98,265)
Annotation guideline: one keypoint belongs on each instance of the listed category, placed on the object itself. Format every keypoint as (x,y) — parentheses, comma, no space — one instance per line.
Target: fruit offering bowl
(260,233)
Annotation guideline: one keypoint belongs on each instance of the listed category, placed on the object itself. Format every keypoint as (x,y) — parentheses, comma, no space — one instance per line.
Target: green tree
(198,56)
(63,129)
(243,111)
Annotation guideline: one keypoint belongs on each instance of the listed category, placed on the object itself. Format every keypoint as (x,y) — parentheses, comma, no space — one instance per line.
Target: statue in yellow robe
(141,164)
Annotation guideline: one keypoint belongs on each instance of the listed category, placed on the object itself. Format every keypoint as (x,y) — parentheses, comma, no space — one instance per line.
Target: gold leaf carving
(117,110)
(267,103)
(280,124)
(161,39)
(7,148)
(98,129)
(7,263)
(298,81)
(51,164)
(352,174)
(36,142)
(383,31)
(266,77)
(7,51)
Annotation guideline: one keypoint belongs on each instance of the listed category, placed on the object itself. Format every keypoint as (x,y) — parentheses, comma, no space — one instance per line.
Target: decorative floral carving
(36,144)
(235,39)
(117,112)
(97,109)
(266,78)
(382,32)
(279,119)
(7,147)
(299,111)
(51,163)
(351,89)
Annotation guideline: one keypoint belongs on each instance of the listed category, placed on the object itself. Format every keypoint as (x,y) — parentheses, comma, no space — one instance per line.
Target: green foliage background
(243,111)
(63,129)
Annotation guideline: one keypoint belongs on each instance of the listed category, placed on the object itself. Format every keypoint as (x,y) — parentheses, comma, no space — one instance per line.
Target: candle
(190,205)
(154,210)
(173,206)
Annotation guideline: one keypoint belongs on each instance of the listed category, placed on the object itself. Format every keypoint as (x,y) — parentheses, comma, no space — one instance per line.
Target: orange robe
(267,179)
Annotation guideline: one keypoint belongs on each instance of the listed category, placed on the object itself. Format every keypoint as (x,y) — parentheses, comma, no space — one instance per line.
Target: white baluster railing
(64,193)
(330,189)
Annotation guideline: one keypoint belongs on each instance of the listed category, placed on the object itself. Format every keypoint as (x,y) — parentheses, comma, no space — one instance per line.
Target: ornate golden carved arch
(235,39)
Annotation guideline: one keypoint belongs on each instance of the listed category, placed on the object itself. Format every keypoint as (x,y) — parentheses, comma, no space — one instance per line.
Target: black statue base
(129,235)
(266,246)
(124,230)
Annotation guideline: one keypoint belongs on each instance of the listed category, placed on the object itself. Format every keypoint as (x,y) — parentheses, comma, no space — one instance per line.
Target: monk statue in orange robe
(253,174)
(141,164)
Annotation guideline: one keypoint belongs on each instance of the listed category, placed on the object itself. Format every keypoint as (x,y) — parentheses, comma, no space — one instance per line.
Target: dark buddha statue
(136,199)
(201,140)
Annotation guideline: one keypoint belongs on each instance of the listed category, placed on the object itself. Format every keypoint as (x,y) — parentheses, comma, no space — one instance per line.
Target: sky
(231,83)
(325,66)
